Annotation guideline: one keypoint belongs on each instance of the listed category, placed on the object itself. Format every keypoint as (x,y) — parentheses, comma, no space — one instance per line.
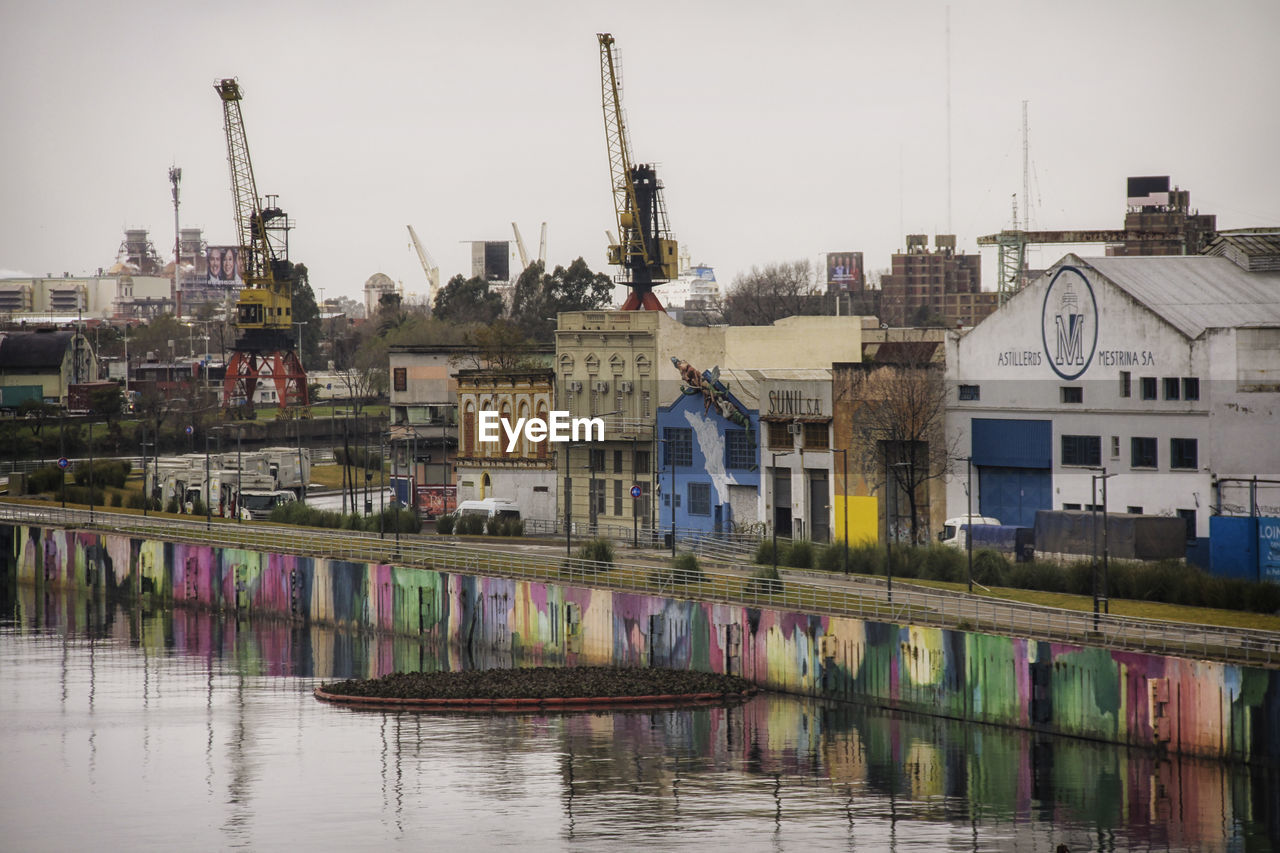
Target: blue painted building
(709,457)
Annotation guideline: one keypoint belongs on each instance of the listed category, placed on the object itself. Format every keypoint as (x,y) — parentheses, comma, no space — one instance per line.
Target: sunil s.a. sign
(558,427)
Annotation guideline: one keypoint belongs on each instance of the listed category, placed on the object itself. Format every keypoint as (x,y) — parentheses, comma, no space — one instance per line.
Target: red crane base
(648,302)
(250,368)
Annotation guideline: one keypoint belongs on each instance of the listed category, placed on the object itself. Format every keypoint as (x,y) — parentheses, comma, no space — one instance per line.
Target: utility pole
(175,178)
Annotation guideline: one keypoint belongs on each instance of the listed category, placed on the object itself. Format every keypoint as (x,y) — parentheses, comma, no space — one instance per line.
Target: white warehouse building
(1165,371)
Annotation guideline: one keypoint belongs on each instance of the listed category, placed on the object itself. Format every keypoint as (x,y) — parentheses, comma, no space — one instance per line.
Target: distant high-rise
(1164,219)
(938,288)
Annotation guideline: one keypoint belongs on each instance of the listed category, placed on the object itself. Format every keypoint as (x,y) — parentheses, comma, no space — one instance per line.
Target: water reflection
(187,727)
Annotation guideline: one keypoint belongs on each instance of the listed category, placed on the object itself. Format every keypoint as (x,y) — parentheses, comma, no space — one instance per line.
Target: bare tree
(772,292)
(898,416)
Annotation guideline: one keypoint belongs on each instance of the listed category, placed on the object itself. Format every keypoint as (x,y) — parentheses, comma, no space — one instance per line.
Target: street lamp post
(844,466)
(239,476)
(90,470)
(208,498)
(1099,597)
(968,537)
(773,522)
(888,537)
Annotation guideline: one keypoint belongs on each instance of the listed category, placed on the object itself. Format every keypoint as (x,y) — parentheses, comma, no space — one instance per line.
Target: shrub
(833,558)
(942,563)
(136,501)
(469,525)
(799,554)
(45,479)
(866,559)
(445,524)
(765,552)
(687,564)
(685,569)
(596,550)
(764,581)
(173,506)
(990,568)
(117,499)
(106,472)
(81,495)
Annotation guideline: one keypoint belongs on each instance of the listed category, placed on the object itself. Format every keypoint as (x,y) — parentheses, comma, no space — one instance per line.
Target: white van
(955,537)
(489,508)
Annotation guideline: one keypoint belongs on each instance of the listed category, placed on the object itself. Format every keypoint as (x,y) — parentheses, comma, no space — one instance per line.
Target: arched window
(525,450)
(469,430)
(510,424)
(541,452)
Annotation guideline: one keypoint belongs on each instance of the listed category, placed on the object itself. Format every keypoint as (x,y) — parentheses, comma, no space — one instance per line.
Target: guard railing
(854,596)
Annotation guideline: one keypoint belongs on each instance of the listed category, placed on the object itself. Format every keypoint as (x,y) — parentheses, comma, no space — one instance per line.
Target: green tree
(307,312)
(539,297)
(37,414)
(106,402)
(467,301)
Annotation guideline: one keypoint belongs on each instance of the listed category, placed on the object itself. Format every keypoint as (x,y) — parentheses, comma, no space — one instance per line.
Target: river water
(183,730)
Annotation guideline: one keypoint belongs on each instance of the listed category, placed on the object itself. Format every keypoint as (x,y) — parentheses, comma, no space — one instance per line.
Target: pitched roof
(1194,293)
(28,350)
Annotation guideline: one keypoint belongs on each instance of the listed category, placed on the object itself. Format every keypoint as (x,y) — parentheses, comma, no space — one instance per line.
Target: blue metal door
(1014,494)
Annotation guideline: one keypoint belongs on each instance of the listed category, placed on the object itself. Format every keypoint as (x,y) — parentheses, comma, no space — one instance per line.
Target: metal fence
(855,596)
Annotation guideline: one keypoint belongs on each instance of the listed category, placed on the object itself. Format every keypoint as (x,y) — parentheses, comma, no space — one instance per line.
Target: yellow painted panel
(864,519)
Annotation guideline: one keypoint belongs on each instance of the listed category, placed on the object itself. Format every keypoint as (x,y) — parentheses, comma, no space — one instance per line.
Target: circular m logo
(1069,323)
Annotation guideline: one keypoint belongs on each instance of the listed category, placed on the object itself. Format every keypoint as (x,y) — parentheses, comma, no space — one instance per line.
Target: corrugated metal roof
(32,350)
(1194,293)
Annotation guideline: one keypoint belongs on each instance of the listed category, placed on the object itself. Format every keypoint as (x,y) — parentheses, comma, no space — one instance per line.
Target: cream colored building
(524,475)
(66,297)
(621,365)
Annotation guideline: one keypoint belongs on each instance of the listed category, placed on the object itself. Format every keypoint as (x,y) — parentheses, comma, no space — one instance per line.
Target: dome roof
(379,281)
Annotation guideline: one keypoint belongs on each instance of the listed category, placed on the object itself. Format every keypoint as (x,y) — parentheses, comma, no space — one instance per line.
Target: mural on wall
(1014,775)
(1176,704)
(715,395)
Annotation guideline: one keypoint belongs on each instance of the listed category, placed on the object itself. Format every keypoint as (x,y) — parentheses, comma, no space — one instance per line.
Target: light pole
(888,538)
(208,510)
(1099,597)
(239,475)
(146,495)
(968,536)
(773,522)
(844,479)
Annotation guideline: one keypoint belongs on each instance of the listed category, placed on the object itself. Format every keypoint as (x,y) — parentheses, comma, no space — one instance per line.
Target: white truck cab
(953,535)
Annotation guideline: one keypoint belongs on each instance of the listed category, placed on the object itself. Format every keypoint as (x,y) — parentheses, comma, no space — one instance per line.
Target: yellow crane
(646,251)
(265,348)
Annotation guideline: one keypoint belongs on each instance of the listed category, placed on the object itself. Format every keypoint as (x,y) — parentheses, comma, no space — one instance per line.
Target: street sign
(635,491)
(190,429)
(63,462)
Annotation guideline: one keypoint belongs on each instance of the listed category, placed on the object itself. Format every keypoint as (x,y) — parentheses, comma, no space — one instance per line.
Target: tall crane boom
(646,251)
(264,309)
(524,255)
(265,350)
(429,265)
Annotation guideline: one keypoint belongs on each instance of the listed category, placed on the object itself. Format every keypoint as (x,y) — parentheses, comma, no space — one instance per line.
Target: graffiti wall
(1181,705)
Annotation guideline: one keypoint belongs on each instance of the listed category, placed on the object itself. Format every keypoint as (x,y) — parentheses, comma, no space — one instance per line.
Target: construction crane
(524,256)
(1012,249)
(429,265)
(265,349)
(646,252)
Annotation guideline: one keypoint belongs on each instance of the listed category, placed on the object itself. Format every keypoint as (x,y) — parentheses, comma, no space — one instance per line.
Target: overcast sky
(781,130)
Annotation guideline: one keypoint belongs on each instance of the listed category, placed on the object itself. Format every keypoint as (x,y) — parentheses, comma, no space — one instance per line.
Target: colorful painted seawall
(1176,704)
